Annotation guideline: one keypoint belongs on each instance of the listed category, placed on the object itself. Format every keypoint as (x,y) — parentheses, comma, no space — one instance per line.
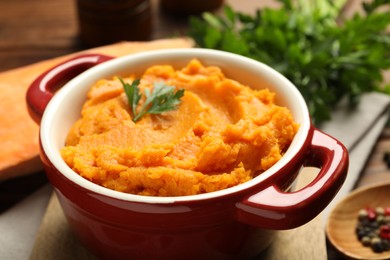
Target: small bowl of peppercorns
(359,225)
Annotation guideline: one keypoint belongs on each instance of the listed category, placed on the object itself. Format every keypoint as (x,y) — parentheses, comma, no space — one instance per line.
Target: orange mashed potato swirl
(222,134)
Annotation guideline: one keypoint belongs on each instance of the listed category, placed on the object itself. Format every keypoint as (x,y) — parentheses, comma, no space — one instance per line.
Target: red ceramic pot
(237,222)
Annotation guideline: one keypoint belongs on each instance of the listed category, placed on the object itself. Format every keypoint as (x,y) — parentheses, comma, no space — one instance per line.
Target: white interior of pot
(64,109)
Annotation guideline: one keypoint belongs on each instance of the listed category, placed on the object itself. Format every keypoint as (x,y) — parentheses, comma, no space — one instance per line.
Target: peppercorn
(387,211)
(380,219)
(376,245)
(384,232)
(366,241)
(362,214)
(371,214)
(379,211)
(373,228)
(386,245)
(361,232)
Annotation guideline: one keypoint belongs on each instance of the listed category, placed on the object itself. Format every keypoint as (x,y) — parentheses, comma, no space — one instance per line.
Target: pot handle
(43,88)
(273,208)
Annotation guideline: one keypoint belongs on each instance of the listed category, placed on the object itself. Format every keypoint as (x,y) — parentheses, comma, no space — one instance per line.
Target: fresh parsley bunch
(327,58)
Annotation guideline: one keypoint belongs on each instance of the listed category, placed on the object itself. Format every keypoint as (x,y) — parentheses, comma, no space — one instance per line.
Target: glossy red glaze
(43,88)
(276,209)
(235,224)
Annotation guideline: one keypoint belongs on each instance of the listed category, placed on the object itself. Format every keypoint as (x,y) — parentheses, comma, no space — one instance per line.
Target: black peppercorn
(376,245)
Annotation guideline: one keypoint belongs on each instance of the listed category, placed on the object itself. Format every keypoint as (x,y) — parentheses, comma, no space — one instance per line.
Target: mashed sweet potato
(222,134)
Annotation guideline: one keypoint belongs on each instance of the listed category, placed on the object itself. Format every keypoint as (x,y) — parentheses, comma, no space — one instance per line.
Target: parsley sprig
(161,99)
(329,58)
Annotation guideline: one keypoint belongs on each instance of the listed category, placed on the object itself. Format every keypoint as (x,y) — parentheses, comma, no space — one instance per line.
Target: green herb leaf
(161,99)
(132,93)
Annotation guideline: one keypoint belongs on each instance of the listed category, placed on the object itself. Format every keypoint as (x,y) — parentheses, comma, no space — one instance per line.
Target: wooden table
(32,31)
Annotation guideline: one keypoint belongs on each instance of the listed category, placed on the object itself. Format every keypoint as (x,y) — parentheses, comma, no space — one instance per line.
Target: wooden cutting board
(56,241)
(18,132)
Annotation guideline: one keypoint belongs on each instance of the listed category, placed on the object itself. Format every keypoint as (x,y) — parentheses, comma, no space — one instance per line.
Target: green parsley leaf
(132,93)
(161,99)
